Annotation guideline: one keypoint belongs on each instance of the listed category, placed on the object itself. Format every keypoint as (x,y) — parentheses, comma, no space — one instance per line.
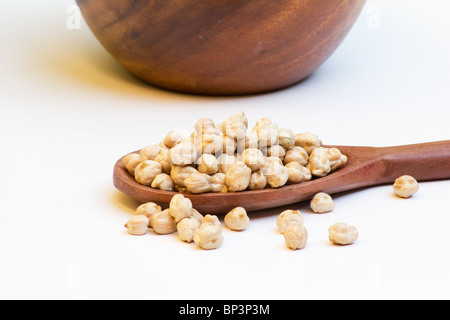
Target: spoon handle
(423,161)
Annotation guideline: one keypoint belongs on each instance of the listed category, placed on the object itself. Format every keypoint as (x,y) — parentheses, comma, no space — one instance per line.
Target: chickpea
(258,181)
(276,151)
(208,164)
(205,126)
(237,219)
(196,215)
(209,235)
(296,154)
(209,143)
(405,186)
(137,225)
(235,126)
(146,172)
(295,236)
(286,138)
(130,162)
(250,141)
(296,172)
(148,209)
(218,182)
(180,207)
(254,159)
(229,145)
(163,160)
(308,141)
(287,218)
(321,203)
(186,228)
(163,222)
(342,233)
(225,162)
(182,154)
(276,173)
(198,183)
(173,138)
(150,152)
(238,177)
(318,163)
(180,173)
(267,132)
(336,158)
(163,182)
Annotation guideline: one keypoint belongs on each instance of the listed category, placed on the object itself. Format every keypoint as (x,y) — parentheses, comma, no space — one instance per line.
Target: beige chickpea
(182,154)
(180,173)
(286,138)
(180,207)
(150,152)
(306,174)
(253,158)
(321,203)
(267,132)
(130,162)
(173,138)
(288,217)
(342,234)
(318,163)
(208,164)
(296,172)
(163,182)
(218,183)
(209,144)
(163,160)
(238,177)
(205,126)
(163,222)
(209,235)
(198,183)
(225,162)
(137,225)
(229,145)
(237,219)
(296,154)
(235,126)
(336,158)
(196,215)
(146,172)
(405,186)
(276,173)
(308,141)
(295,236)
(250,141)
(186,228)
(258,181)
(276,151)
(148,209)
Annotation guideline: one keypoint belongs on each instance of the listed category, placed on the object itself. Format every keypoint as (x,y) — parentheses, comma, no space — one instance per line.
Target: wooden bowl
(221,47)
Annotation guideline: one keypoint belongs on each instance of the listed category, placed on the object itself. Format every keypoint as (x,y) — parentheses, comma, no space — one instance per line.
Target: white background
(68,112)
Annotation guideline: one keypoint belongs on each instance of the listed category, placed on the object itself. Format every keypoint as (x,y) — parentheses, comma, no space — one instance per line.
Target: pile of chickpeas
(231,157)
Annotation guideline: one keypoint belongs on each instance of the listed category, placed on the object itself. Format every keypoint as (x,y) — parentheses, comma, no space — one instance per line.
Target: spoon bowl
(366,166)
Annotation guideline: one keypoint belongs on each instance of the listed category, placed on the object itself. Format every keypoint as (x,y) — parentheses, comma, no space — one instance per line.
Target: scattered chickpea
(237,219)
(321,203)
(405,186)
(186,228)
(130,162)
(209,235)
(180,207)
(163,222)
(137,225)
(148,209)
(287,218)
(295,236)
(342,233)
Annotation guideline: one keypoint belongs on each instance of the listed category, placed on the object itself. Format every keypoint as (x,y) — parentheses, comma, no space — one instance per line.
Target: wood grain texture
(221,47)
(366,166)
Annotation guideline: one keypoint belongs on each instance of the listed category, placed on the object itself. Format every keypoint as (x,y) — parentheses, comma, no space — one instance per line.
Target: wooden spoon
(366,166)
